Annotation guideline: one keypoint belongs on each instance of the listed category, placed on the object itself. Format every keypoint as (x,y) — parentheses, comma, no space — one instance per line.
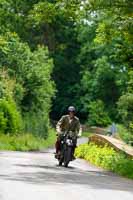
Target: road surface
(36,176)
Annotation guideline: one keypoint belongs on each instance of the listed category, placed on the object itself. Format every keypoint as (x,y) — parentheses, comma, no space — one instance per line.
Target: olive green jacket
(65,124)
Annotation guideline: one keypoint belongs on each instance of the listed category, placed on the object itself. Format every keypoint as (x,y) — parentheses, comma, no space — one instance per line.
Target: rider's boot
(57,155)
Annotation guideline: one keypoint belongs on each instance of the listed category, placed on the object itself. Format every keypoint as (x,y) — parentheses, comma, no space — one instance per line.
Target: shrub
(125,108)
(107,158)
(125,134)
(36,123)
(10,119)
(97,114)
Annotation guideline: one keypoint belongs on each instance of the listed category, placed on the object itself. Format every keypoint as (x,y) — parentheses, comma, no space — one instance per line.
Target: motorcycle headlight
(69,142)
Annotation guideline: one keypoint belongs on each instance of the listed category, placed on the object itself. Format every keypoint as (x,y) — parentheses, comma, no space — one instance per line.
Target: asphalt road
(36,176)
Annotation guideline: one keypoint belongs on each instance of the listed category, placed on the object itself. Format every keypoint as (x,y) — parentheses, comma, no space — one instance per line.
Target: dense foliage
(97,114)
(85,47)
(107,158)
(26,84)
(125,134)
(10,119)
(125,105)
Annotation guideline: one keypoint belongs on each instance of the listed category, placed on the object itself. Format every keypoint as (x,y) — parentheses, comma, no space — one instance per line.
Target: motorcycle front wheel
(60,162)
(67,156)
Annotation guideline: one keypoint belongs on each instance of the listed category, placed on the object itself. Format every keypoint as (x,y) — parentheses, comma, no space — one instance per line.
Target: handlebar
(69,133)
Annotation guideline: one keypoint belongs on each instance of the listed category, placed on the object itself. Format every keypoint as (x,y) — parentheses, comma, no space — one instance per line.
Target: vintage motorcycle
(67,149)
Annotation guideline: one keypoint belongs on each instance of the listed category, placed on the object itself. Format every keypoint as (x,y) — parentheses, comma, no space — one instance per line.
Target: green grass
(26,142)
(86,134)
(107,158)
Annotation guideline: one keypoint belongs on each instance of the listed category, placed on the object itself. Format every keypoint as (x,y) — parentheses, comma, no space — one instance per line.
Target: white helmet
(71,109)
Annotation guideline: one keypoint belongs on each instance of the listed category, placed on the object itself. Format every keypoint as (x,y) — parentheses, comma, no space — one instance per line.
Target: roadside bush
(26,142)
(125,108)
(10,119)
(107,158)
(97,114)
(125,134)
(36,123)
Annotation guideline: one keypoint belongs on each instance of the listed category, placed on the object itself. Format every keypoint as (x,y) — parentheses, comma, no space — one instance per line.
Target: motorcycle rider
(68,124)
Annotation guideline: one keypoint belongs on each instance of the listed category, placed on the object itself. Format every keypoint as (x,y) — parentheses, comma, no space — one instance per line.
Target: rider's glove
(80,132)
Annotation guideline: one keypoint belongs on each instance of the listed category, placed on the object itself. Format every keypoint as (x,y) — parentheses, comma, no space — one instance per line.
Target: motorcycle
(66,153)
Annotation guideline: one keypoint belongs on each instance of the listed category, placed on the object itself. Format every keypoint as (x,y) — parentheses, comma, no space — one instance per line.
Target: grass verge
(86,134)
(106,158)
(26,142)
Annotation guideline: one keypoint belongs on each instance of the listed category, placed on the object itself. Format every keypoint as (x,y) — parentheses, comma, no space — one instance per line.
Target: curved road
(36,176)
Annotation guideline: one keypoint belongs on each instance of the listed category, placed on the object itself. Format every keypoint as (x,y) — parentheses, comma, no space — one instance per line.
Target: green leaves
(125,105)
(105,53)
(10,119)
(44,12)
(97,114)
(107,158)
(30,85)
(88,53)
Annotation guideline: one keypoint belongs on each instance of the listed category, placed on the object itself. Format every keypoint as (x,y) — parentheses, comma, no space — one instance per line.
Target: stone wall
(116,144)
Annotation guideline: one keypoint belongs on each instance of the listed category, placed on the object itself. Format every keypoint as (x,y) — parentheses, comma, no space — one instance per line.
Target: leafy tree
(97,114)
(88,55)
(32,72)
(102,76)
(53,23)
(105,53)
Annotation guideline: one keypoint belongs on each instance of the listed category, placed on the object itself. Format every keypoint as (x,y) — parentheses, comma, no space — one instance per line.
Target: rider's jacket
(68,125)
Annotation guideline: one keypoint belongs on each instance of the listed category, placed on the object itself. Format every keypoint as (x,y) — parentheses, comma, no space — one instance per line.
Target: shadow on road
(45,166)
(61,175)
